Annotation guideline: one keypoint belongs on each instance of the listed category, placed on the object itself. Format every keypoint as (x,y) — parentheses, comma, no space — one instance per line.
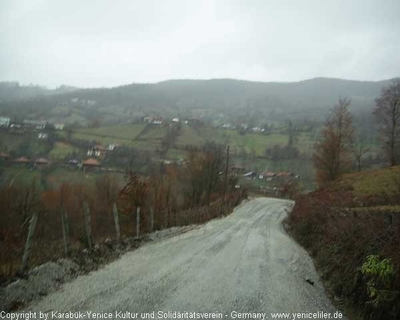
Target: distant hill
(212,100)
(10,91)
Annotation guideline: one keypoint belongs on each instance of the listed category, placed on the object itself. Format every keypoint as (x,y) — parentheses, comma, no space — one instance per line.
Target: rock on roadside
(39,281)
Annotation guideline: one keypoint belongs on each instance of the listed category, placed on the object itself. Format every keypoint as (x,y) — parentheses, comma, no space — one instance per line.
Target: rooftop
(91,162)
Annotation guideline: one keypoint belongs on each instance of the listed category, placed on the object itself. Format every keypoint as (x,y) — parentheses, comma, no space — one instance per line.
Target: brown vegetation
(332,151)
(74,217)
(387,113)
(342,229)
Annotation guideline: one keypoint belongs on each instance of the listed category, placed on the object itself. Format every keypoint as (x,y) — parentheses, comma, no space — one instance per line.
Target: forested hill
(10,91)
(226,98)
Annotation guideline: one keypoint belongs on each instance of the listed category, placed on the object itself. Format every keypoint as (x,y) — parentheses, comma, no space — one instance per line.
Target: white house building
(5,122)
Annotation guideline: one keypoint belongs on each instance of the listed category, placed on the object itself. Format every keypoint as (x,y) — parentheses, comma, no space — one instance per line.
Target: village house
(111,147)
(256,129)
(41,162)
(153,120)
(91,165)
(5,122)
(4,156)
(16,125)
(22,161)
(250,175)
(42,135)
(59,126)
(34,124)
(284,174)
(96,151)
(268,175)
(73,162)
(227,126)
(157,121)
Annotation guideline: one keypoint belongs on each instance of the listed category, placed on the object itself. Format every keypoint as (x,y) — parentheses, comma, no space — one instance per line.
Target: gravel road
(237,266)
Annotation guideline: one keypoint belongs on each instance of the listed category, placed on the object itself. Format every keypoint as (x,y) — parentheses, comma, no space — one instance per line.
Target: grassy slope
(250,143)
(254,144)
(341,225)
(21,175)
(61,150)
(189,136)
(374,182)
(120,134)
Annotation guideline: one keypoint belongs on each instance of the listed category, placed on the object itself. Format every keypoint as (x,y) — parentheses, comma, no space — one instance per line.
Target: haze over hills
(11,90)
(215,99)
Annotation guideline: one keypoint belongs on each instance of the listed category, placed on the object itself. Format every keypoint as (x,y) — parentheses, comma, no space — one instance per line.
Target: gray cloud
(107,43)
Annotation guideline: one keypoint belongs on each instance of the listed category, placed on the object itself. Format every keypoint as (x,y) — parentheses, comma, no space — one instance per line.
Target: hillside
(350,224)
(10,91)
(213,100)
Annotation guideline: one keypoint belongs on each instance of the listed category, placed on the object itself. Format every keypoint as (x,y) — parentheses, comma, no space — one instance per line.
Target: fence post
(137,222)
(116,221)
(87,224)
(151,219)
(65,230)
(29,238)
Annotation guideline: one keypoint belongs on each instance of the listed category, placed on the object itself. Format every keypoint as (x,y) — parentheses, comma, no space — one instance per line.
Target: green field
(145,145)
(189,136)
(374,182)
(9,142)
(52,177)
(250,143)
(61,150)
(119,134)
(21,175)
(125,132)
(149,137)
(154,132)
(304,143)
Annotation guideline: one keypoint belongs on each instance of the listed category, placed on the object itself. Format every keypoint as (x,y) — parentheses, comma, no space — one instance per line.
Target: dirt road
(237,266)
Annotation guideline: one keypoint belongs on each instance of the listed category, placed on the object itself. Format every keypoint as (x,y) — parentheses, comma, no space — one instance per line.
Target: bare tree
(387,113)
(332,151)
(213,166)
(359,149)
(206,169)
(106,191)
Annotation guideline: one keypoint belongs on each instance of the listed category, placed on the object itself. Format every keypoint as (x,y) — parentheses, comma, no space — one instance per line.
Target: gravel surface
(39,281)
(244,263)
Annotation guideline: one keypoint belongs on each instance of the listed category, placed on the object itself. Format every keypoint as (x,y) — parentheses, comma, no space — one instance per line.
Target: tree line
(37,226)
(338,146)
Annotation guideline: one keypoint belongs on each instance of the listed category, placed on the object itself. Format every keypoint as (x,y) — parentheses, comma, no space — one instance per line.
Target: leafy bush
(380,274)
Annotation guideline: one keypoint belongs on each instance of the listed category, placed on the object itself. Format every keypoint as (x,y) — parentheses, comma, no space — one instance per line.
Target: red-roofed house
(269,175)
(22,160)
(91,164)
(284,174)
(4,156)
(41,162)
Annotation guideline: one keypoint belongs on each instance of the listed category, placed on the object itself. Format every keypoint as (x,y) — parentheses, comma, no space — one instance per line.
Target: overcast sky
(91,43)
